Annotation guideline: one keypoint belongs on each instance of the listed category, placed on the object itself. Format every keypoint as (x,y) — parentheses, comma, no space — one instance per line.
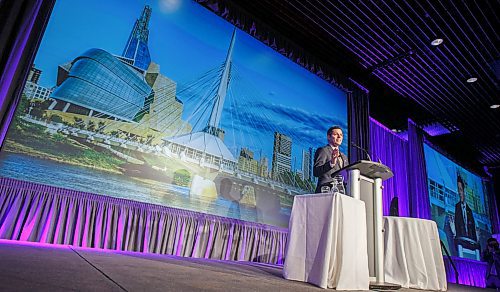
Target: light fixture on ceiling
(437,42)
(495,106)
(472,80)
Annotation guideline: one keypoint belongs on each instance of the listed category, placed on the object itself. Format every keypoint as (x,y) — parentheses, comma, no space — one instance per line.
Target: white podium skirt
(413,257)
(327,243)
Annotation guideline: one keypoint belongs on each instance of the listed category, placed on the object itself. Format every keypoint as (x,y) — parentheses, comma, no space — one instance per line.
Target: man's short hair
(460,180)
(491,239)
(329,132)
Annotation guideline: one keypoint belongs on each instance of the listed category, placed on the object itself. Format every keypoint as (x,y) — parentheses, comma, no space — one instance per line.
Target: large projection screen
(166,103)
(459,204)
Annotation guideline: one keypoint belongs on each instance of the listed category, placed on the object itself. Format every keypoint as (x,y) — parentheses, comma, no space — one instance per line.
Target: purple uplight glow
(11,66)
(48,208)
(210,240)
(436,129)
(229,242)
(34,244)
(181,228)
(392,151)
(470,272)
(106,231)
(420,206)
(43,214)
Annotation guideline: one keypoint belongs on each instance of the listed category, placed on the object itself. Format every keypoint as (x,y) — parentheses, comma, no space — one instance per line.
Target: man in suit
(465,226)
(491,255)
(329,159)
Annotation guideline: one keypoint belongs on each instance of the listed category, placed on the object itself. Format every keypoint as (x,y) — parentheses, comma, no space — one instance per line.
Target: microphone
(362,149)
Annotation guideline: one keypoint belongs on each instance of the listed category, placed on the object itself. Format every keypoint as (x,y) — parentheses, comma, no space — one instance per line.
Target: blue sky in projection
(187,41)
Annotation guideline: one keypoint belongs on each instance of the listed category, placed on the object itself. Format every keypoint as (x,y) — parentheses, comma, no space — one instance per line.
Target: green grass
(32,140)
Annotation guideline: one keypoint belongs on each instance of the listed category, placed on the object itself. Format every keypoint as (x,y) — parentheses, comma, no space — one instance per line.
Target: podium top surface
(371,169)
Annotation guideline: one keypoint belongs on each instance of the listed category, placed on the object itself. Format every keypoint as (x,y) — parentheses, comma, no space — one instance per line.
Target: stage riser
(40,213)
(470,272)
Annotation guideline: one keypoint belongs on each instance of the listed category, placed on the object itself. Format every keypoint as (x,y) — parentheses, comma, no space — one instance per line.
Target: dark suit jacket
(460,225)
(492,258)
(322,168)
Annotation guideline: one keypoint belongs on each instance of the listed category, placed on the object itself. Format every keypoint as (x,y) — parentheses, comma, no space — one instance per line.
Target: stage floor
(39,267)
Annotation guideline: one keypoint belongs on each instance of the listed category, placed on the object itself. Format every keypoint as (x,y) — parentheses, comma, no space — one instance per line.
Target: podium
(365,184)
(467,246)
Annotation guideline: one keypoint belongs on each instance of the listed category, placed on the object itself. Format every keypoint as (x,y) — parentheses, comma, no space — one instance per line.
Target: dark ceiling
(386,46)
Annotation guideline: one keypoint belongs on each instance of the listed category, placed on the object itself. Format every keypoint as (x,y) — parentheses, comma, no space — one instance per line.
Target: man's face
(461,192)
(335,138)
(492,245)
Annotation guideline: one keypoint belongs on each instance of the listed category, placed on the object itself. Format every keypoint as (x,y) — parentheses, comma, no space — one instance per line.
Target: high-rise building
(33,90)
(306,164)
(246,153)
(282,155)
(136,51)
(300,174)
(246,163)
(166,109)
(311,165)
(263,166)
(34,74)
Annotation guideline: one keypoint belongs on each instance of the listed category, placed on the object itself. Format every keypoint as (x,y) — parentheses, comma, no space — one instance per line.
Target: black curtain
(22,23)
(359,122)
(420,203)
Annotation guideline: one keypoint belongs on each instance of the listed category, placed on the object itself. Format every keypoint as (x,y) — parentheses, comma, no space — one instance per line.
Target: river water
(48,172)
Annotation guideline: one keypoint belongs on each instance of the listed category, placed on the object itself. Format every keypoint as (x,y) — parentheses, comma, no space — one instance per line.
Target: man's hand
(335,155)
(452,225)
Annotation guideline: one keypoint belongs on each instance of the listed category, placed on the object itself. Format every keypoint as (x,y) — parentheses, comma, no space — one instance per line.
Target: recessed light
(437,42)
(495,106)
(472,80)
(394,130)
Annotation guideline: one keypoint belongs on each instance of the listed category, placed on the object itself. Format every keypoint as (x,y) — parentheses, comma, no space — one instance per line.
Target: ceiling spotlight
(472,80)
(495,106)
(437,42)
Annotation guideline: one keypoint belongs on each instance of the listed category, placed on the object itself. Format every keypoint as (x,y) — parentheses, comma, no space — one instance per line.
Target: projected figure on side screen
(465,226)
(328,159)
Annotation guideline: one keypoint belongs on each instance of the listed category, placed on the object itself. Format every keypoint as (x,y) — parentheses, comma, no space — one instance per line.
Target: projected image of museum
(124,95)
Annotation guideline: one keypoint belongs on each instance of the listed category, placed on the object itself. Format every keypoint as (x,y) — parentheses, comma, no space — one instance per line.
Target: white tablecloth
(327,242)
(413,257)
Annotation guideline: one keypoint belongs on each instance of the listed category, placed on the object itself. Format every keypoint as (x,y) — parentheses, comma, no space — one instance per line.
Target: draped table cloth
(413,257)
(327,243)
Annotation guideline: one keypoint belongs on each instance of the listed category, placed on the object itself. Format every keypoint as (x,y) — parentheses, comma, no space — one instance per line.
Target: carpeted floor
(38,267)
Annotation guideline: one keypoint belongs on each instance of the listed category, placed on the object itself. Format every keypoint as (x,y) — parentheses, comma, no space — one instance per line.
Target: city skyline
(287,87)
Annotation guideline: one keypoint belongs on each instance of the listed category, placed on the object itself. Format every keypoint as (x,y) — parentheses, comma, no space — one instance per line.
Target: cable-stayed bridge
(202,127)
